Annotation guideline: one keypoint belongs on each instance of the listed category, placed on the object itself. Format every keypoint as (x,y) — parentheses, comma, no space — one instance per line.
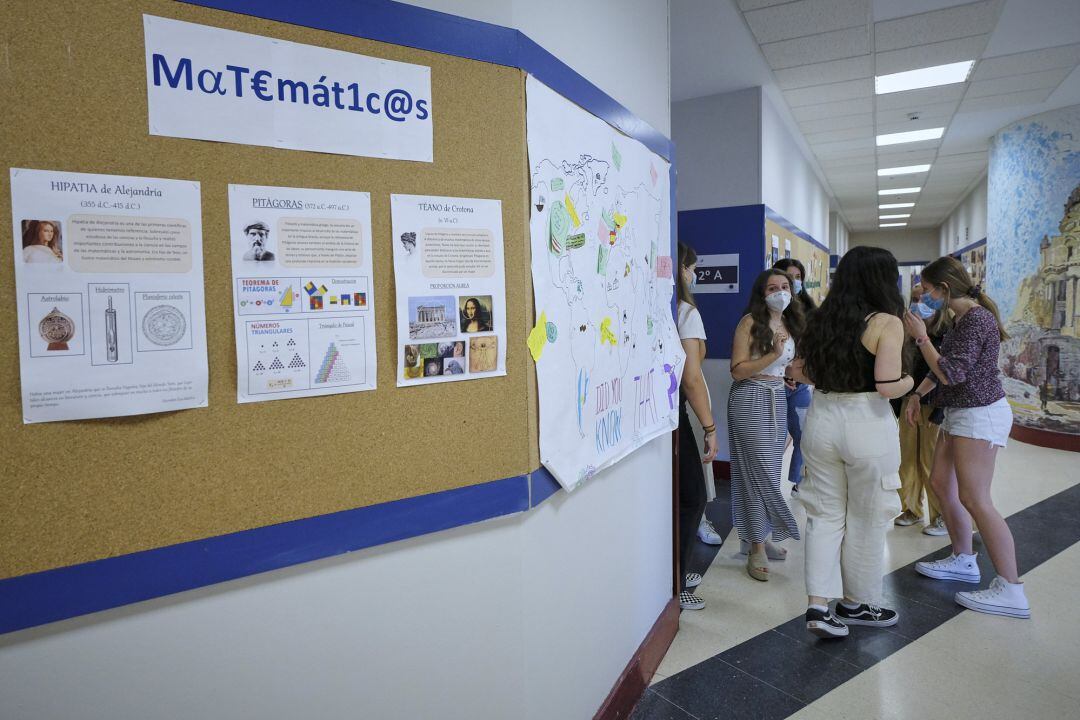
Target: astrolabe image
(57,329)
(164,325)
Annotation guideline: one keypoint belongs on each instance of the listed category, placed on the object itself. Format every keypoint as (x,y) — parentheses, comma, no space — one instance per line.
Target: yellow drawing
(538,337)
(620,221)
(606,336)
(573,211)
(286,297)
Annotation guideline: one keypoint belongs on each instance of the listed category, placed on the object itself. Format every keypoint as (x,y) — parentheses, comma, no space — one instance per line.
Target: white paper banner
(207,83)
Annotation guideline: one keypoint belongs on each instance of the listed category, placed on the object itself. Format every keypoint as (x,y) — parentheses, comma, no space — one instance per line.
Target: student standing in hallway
(694,391)
(852,354)
(798,394)
(977,422)
(764,344)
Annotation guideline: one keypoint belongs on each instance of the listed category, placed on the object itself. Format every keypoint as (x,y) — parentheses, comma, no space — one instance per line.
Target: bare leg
(943,481)
(974,473)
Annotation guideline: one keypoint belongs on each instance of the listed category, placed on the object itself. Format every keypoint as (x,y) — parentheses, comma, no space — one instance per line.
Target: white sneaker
(692,580)
(1001,598)
(936,528)
(707,533)
(905,519)
(964,568)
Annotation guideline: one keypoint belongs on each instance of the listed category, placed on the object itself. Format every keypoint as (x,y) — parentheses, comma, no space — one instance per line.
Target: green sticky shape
(429,350)
(552,332)
(609,218)
(556,183)
(649,324)
(616,157)
(601,260)
(559,219)
(575,242)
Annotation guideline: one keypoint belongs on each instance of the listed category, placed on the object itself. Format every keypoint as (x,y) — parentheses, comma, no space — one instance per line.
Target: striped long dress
(757,435)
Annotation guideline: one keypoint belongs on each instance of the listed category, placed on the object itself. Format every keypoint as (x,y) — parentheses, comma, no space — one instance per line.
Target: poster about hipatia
(109,294)
(303,306)
(451,293)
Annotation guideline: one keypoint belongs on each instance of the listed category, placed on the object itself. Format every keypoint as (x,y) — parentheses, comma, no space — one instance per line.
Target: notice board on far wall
(80,491)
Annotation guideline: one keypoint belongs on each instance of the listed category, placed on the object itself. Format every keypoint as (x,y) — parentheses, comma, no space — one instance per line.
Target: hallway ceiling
(819,57)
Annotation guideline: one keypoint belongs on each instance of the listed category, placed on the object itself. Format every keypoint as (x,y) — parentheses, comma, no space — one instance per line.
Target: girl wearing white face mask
(763,347)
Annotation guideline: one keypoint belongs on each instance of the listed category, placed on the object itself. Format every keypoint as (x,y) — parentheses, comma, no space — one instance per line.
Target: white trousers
(851,449)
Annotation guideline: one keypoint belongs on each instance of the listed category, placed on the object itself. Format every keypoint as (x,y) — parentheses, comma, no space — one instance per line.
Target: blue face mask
(798,286)
(922,310)
(931,302)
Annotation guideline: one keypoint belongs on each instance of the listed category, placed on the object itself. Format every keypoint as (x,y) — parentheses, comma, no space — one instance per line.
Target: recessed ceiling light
(904,170)
(910,136)
(890,206)
(903,224)
(899,191)
(923,77)
(893,217)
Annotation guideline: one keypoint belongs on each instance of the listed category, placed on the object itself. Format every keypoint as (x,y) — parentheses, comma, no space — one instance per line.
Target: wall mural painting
(1034,268)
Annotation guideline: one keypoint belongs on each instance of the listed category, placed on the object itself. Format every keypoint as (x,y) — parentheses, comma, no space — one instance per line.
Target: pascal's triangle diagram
(297,362)
(258,366)
(333,368)
(277,364)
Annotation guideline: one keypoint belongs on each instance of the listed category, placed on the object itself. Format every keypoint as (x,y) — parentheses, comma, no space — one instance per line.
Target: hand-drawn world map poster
(608,357)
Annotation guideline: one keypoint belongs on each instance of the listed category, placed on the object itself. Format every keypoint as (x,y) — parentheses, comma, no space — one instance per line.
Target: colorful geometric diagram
(346,299)
(316,302)
(360,299)
(286,297)
(333,368)
(312,289)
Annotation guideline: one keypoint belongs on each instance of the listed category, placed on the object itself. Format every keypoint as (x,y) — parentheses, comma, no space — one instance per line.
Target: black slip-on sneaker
(824,624)
(871,615)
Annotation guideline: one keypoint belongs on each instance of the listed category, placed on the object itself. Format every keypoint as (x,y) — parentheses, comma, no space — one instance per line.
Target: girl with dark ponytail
(977,421)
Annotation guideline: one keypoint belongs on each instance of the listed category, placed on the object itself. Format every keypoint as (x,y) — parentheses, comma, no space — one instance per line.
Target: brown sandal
(757,566)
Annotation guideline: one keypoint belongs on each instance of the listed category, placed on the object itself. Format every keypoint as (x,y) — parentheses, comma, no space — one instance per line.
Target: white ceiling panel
(905,125)
(967,158)
(1017,83)
(927,113)
(826,72)
(976,18)
(865,120)
(818,48)
(844,146)
(806,17)
(920,56)
(834,92)
(837,135)
(918,98)
(837,109)
(925,148)
(1064,56)
(991,102)
(745,5)
(908,157)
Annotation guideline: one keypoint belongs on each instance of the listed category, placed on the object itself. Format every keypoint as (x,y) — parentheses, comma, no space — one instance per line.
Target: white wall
(530,616)
(789,184)
(906,245)
(839,235)
(967,223)
(717,148)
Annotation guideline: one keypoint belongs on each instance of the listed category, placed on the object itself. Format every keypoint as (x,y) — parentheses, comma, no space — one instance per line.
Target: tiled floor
(748,655)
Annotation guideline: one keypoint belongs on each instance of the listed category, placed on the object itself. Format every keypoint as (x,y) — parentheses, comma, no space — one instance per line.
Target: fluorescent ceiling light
(923,77)
(904,170)
(903,224)
(890,206)
(893,217)
(899,191)
(911,136)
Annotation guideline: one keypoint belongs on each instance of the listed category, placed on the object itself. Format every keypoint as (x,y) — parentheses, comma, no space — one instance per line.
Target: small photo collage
(442,320)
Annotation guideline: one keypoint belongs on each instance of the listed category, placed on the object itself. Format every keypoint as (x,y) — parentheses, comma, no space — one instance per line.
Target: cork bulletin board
(75,88)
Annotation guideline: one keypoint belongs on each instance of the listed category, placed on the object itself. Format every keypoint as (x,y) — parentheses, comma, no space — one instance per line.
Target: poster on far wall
(608,357)
(109,294)
(303,306)
(451,291)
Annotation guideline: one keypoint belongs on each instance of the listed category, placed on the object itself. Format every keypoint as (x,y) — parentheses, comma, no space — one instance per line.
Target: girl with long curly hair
(763,347)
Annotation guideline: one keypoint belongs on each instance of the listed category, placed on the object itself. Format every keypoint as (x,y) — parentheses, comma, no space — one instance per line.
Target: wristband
(922,340)
(709,428)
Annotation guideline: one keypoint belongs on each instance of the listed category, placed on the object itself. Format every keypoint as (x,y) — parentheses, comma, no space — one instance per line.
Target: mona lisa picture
(474,314)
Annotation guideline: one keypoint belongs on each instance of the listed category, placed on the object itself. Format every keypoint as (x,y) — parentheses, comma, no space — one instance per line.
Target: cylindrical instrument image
(112,352)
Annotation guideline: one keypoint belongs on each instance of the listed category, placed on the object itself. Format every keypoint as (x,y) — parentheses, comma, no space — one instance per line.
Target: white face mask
(778,301)
(798,286)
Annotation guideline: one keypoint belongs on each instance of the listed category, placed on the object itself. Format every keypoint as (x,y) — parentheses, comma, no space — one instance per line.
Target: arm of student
(693,383)
(889,377)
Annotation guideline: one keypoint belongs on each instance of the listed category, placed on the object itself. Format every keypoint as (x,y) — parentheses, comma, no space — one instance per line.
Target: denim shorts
(989,422)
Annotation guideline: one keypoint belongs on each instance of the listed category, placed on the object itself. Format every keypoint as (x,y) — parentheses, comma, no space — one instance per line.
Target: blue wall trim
(912,263)
(38,598)
(791,227)
(411,26)
(834,260)
(739,229)
(972,246)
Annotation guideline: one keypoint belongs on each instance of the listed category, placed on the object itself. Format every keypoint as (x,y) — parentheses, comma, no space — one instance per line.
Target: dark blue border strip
(972,246)
(912,263)
(39,598)
(791,227)
(411,26)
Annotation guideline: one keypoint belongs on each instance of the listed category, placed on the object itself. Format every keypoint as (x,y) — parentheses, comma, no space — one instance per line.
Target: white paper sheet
(608,357)
(451,288)
(303,302)
(109,294)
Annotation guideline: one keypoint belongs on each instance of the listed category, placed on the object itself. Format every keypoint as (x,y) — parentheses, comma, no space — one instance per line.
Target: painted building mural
(1033,265)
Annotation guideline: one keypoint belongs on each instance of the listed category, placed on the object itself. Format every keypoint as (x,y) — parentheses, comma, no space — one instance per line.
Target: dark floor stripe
(777,673)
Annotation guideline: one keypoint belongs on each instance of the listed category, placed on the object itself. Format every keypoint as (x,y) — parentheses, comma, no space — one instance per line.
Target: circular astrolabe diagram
(164,325)
(56,327)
